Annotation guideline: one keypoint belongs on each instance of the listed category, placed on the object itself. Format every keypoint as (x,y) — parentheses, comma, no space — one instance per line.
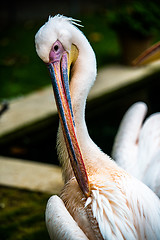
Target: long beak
(150,55)
(59,75)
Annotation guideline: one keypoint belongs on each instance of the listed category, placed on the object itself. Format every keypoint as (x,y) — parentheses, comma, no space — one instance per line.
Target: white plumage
(117,206)
(60,223)
(137,145)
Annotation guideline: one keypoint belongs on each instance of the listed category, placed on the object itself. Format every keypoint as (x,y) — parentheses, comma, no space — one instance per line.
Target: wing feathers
(60,223)
(113,217)
(125,145)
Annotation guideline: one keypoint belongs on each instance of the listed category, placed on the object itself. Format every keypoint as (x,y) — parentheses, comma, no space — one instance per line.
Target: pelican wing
(108,206)
(137,147)
(126,142)
(151,175)
(149,153)
(138,219)
(60,223)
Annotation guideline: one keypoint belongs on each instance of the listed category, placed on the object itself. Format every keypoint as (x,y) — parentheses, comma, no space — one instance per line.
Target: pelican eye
(56,48)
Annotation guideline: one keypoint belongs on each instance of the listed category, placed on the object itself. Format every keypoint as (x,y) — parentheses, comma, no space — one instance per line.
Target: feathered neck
(83,75)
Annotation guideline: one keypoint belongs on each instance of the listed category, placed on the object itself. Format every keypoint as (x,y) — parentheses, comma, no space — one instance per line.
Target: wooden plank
(30,175)
(40,105)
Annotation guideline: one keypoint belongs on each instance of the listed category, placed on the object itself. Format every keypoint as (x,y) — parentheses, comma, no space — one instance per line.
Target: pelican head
(57,28)
(60,44)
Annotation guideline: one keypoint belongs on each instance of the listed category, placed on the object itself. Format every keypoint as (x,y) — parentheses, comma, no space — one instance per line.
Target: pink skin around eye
(56,52)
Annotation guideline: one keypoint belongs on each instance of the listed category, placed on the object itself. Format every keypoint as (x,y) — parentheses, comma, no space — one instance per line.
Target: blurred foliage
(102,38)
(138,18)
(22,71)
(20,68)
(22,215)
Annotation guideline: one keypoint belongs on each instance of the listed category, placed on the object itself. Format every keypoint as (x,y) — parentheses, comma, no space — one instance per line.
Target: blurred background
(118,32)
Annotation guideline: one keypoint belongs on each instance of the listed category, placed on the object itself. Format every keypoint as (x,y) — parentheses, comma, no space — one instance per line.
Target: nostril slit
(56,47)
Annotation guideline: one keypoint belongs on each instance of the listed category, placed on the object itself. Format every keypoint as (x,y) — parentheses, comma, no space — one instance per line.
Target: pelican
(137,144)
(99,199)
